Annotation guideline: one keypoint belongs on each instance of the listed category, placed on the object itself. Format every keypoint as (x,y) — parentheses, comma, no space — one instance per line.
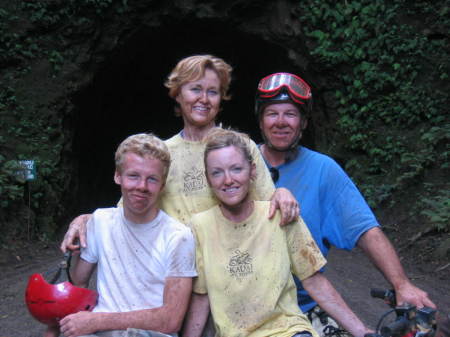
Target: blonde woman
(245,261)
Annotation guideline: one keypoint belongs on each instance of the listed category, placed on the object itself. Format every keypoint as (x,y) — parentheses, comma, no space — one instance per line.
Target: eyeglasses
(271,85)
(275,174)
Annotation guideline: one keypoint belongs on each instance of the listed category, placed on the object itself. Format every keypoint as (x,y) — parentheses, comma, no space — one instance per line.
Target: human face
(200,100)
(281,125)
(141,180)
(229,174)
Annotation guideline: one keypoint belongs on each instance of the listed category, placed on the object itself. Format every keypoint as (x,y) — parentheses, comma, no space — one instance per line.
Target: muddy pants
(128,333)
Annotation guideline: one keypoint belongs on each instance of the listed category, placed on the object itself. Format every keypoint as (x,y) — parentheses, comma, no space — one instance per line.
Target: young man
(145,259)
(331,205)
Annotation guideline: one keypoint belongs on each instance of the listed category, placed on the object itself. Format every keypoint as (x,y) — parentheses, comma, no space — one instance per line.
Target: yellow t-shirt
(187,191)
(245,268)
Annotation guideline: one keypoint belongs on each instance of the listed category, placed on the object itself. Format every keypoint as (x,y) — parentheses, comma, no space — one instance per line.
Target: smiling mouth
(201,108)
(230,190)
(281,134)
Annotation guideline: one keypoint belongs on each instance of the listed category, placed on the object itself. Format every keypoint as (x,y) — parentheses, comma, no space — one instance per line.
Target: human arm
(77,229)
(283,200)
(381,252)
(82,272)
(166,319)
(323,292)
(351,222)
(199,307)
(306,263)
(196,316)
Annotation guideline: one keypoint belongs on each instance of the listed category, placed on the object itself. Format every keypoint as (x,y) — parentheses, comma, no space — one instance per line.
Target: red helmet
(49,303)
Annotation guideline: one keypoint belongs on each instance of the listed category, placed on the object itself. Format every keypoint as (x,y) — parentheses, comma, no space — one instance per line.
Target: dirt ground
(352,274)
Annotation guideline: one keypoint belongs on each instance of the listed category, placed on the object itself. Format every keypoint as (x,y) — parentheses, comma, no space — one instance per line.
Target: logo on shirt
(194,180)
(240,264)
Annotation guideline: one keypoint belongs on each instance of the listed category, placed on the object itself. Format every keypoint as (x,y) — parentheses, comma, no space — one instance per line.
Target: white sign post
(28,169)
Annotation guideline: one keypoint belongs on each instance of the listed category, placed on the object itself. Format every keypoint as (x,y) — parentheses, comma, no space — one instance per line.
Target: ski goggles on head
(271,85)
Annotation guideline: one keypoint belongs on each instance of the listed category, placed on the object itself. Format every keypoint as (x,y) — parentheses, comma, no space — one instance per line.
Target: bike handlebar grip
(379,293)
(397,328)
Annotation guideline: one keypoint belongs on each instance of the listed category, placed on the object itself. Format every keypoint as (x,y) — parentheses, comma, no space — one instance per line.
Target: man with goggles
(331,205)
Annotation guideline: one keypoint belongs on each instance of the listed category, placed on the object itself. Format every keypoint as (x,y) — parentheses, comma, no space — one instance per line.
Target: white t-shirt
(133,260)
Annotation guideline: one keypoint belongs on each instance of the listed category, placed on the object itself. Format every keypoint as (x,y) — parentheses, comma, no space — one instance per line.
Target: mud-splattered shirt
(245,268)
(187,191)
(134,260)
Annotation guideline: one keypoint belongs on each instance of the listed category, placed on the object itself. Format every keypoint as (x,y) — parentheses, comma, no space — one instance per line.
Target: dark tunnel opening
(127,96)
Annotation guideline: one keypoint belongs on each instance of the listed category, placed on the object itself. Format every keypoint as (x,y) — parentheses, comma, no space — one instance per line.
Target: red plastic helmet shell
(49,303)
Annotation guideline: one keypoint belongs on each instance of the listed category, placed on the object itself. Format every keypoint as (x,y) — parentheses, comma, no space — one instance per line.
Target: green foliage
(26,135)
(48,14)
(18,45)
(11,185)
(392,101)
(37,31)
(437,209)
(56,60)
(14,48)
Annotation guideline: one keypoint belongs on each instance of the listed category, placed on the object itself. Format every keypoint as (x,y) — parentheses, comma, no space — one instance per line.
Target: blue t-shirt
(330,204)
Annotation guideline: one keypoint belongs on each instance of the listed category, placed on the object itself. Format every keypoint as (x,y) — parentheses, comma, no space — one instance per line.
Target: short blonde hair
(143,144)
(193,68)
(219,138)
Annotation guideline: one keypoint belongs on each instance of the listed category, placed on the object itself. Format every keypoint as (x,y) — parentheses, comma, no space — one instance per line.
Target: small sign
(29,169)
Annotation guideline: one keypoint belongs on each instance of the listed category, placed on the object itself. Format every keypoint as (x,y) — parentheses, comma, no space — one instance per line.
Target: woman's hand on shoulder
(284,200)
(77,230)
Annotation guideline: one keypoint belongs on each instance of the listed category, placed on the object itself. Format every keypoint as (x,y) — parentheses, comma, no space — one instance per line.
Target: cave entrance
(127,96)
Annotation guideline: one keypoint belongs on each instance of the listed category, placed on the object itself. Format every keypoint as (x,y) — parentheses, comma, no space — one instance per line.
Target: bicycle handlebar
(396,328)
(410,321)
(387,295)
